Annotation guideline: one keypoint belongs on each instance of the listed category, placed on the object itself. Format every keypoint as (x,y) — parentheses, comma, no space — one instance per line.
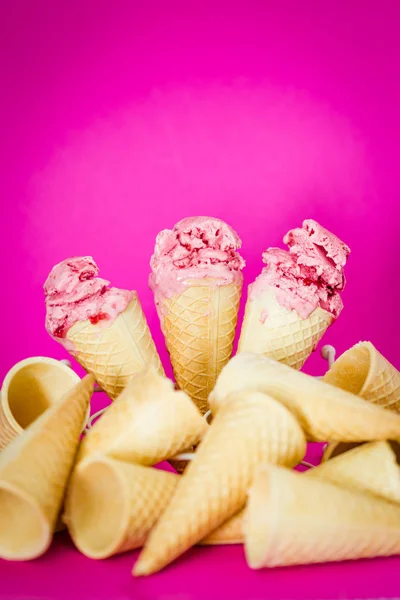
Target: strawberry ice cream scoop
(195,248)
(309,274)
(74,292)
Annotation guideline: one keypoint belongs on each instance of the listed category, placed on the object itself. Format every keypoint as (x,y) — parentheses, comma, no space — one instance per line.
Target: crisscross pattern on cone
(370,468)
(34,470)
(112,505)
(29,388)
(271,329)
(149,422)
(363,371)
(295,519)
(199,327)
(249,430)
(116,353)
(325,412)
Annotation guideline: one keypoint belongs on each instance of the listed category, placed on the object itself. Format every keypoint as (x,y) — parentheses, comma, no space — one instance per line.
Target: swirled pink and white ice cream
(74,292)
(195,248)
(309,274)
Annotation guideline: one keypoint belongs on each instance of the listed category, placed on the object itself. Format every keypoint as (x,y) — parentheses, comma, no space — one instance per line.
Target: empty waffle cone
(29,388)
(34,470)
(116,353)
(273,330)
(149,422)
(249,430)
(371,468)
(112,505)
(293,519)
(363,371)
(325,412)
(199,327)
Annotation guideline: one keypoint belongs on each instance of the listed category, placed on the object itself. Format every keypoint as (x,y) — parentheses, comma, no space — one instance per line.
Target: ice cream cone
(29,388)
(363,371)
(295,519)
(273,330)
(34,470)
(249,430)
(149,422)
(112,505)
(371,468)
(116,353)
(199,327)
(325,412)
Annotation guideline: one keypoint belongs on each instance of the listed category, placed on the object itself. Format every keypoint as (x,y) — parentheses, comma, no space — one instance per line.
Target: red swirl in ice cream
(196,248)
(310,274)
(73,293)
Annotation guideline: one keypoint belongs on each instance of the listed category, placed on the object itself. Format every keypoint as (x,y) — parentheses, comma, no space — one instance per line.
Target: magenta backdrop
(121,117)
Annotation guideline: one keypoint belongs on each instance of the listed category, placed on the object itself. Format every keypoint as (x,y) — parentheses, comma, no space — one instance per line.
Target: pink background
(121,117)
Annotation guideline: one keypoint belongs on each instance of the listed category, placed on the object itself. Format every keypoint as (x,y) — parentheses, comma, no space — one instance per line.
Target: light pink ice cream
(73,293)
(196,248)
(309,274)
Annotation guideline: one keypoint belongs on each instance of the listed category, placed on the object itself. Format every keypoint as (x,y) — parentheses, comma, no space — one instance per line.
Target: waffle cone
(293,519)
(34,470)
(112,505)
(29,388)
(249,430)
(271,329)
(325,412)
(363,371)
(371,468)
(116,353)
(149,422)
(199,327)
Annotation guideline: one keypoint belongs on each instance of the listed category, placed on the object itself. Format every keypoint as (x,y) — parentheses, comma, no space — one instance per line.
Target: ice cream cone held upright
(103,327)
(296,297)
(197,282)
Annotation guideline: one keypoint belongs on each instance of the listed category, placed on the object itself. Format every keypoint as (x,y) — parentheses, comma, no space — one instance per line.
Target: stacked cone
(249,430)
(116,353)
(362,370)
(293,519)
(29,388)
(149,422)
(274,331)
(199,327)
(325,412)
(34,470)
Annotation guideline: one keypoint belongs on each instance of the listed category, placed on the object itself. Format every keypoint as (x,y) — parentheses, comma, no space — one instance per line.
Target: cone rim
(82,541)
(20,366)
(44,540)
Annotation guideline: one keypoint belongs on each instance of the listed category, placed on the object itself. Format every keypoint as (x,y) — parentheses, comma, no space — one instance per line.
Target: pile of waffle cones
(238,489)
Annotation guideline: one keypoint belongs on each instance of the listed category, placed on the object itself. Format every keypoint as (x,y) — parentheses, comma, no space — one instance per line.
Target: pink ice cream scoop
(195,248)
(74,292)
(309,274)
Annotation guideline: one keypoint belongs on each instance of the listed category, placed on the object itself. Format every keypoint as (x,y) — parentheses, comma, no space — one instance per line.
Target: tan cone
(34,470)
(325,412)
(199,327)
(116,353)
(112,505)
(363,371)
(29,388)
(249,430)
(293,519)
(370,468)
(149,422)
(273,330)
